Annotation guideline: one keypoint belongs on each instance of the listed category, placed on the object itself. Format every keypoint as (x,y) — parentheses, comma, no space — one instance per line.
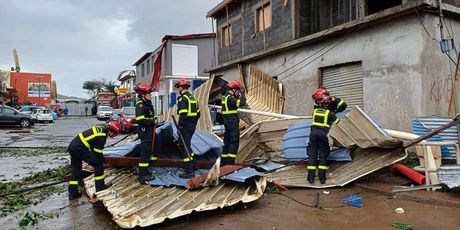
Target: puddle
(17,167)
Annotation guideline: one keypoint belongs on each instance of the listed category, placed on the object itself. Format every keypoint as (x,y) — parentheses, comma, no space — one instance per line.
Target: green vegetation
(9,152)
(272,189)
(21,200)
(31,218)
(400,226)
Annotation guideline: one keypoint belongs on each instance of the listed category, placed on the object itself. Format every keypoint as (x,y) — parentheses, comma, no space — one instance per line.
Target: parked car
(42,115)
(115,115)
(104,112)
(10,116)
(29,108)
(127,117)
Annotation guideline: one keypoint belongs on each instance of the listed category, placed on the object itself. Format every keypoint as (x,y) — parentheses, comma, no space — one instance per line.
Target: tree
(109,86)
(92,87)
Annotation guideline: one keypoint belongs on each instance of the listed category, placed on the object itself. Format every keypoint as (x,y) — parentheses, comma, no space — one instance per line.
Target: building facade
(32,87)
(185,56)
(383,56)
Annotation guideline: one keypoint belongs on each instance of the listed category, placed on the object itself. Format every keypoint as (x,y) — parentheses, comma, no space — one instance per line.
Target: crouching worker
(318,145)
(88,147)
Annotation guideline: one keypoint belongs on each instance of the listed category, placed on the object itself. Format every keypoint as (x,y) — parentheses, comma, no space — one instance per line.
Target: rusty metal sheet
(132,204)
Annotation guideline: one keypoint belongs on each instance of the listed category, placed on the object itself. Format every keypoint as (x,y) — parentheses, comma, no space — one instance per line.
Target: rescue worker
(88,147)
(231,101)
(189,113)
(145,118)
(318,145)
(336,105)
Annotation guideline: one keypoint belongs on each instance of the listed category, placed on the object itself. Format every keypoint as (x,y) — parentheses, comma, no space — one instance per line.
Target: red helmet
(182,82)
(318,93)
(143,88)
(115,126)
(234,85)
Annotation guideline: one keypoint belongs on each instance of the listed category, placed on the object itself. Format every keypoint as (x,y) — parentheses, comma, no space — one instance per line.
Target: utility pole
(447,47)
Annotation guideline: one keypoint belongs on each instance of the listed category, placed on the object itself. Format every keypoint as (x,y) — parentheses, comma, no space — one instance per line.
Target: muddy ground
(294,209)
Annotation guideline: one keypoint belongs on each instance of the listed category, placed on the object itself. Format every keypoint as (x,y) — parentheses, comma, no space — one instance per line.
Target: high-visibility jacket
(188,109)
(323,118)
(145,114)
(93,139)
(230,104)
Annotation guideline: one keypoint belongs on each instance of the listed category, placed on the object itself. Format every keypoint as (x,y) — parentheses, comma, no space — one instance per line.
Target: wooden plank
(196,182)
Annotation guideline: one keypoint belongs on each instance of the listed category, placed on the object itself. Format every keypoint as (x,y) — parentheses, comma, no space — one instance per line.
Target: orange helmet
(182,82)
(143,88)
(115,126)
(234,85)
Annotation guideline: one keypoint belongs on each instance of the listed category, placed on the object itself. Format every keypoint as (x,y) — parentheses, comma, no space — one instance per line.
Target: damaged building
(383,56)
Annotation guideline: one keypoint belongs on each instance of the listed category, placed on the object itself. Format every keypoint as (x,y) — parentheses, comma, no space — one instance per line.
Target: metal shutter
(346,82)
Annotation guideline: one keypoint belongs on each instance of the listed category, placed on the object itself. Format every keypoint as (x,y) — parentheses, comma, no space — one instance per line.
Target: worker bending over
(88,146)
(336,104)
(189,113)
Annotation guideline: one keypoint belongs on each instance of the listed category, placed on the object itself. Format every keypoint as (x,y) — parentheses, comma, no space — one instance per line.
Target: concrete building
(32,87)
(383,56)
(185,56)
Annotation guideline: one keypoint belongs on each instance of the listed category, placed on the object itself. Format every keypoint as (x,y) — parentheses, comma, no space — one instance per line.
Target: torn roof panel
(357,129)
(242,175)
(132,204)
(169,176)
(295,143)
(449,175)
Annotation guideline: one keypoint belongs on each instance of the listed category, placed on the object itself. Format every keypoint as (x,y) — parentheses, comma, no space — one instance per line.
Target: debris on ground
(399,210)
(353,200)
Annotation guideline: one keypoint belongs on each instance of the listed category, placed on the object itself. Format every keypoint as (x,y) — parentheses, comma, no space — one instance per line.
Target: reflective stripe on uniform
(340,103)
(189,111)
(152,158)
(73,182)
(228,155)
(187,159)
(238,103)
(336,121)
(99,177)
(98,150)
(311,167)
(85,140)
(324,113)
(143,118)
(226,110)
(143,164)
(323,167)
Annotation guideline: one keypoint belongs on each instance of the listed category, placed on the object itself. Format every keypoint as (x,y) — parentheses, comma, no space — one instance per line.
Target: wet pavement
(293,210)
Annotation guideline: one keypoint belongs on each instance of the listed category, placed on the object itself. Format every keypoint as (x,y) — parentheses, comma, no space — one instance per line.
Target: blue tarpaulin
(241,175)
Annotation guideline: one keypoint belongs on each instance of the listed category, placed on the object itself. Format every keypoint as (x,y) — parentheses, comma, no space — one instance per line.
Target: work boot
(146,177)
(188,171)
(75,196)
(322,176)
(100,186)
(311,176)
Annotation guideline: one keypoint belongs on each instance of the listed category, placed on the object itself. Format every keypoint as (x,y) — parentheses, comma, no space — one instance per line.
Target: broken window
(374,6)
(226,35)
(264,17)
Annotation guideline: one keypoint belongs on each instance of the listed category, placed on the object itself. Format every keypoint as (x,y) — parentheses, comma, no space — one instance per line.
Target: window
(374,6)
(226,35)
(148,66)
(264,17)
(8,111)
(142,70)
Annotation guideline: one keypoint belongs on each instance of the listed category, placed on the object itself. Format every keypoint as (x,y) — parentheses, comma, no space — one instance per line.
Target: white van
(104,112)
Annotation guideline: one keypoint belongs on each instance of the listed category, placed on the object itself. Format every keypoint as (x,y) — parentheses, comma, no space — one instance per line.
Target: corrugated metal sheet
(357,129)
(346,82)
(449,175)
(295,143)
(365,161)
(263,94)
(132,204)
(450,134)
(419,129)
(202,95)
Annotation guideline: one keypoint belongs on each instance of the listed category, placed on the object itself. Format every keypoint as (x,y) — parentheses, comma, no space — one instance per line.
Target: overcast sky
(78,40)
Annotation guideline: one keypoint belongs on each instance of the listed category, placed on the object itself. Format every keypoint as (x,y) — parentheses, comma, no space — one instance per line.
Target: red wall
(20,81)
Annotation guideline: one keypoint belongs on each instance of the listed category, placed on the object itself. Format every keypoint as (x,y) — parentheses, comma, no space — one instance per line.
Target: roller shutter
(346,82)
